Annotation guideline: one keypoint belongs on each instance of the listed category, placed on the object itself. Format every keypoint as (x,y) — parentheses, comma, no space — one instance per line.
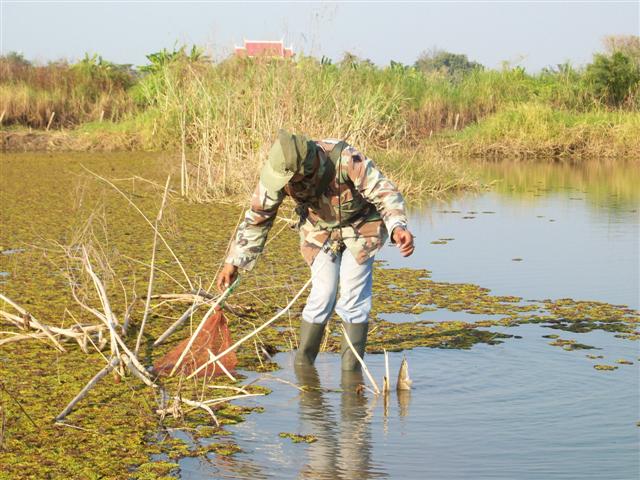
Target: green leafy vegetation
(417,121)
(452,64)
(226,111)
(612,78)
(606,368)
(297,438)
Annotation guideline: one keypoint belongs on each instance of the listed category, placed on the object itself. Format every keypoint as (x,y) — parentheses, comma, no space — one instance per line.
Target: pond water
(522,409)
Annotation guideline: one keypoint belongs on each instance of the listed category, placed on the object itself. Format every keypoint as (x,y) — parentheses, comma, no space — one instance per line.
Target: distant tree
(351,60)
(16,58)
(94,68)
(164,57)
(14,67)
(453,64)
(629,45)
(398,66)
(612,78)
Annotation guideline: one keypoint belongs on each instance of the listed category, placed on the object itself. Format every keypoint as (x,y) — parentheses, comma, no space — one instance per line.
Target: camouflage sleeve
(376,188)
(252,233)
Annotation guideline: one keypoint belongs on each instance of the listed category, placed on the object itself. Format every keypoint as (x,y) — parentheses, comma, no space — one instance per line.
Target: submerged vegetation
(223,114)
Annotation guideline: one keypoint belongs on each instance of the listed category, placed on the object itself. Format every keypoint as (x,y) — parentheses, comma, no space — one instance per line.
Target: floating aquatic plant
(605,367)
(622,361)
(297,438)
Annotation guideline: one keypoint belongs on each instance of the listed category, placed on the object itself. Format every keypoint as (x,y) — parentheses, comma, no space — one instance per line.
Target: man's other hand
(404,240)
(227,276)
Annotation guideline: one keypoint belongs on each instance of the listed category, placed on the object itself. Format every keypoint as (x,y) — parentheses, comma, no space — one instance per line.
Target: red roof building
(264,48)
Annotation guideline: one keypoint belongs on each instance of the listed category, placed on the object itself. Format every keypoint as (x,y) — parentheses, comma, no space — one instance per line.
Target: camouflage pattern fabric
(360,200)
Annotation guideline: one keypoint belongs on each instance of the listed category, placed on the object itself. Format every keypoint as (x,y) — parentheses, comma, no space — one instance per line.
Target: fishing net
(214,337)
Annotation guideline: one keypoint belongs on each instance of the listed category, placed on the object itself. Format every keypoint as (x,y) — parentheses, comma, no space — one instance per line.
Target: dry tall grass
(222,117)
(61,94)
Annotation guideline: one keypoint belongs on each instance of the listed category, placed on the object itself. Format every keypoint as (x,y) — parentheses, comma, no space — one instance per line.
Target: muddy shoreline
(67,141)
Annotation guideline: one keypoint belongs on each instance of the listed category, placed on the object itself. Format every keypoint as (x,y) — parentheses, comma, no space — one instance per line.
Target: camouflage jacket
(358,204)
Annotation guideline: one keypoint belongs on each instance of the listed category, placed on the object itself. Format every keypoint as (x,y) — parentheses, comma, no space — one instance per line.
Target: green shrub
(453,64)
(613,79)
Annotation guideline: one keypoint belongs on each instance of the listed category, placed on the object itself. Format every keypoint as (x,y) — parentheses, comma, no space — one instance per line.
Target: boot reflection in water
(318,418)
(343,448)
(355,428)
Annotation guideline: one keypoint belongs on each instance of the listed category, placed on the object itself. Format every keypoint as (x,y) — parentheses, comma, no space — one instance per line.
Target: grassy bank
(538,131)
(222,116)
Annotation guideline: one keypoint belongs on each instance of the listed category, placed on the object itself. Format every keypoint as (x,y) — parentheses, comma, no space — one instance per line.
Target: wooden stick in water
(176,324)
(385,381)
(136,372)
(83,393)
(204,406)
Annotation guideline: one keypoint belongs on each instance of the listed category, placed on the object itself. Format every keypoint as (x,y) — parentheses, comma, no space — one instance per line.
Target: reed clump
(61,94)
(541,132)
(221,116)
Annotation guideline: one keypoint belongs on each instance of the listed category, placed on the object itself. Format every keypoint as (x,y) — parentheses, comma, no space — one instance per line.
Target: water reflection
(522,409)
(404,400)
(612,185)
(343,449)
(574,229)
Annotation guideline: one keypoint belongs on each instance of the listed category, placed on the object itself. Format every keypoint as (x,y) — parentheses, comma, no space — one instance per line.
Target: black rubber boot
(358,335)
(310,338)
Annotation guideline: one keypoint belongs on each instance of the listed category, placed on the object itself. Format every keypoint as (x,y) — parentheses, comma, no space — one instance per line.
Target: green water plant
(297,438)
(605,367)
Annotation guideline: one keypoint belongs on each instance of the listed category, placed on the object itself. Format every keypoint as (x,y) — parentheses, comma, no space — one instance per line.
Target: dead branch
(33,323)
(152,270)
(176,324)
(109,318)
(113,363)
(192,403)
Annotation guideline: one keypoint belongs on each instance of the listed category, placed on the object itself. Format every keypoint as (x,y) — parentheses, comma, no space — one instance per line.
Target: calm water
(522,409)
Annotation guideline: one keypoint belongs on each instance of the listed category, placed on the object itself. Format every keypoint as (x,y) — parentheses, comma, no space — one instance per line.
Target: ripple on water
(517,410)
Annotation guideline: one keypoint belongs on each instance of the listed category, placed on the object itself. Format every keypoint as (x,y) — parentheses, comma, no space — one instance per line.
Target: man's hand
(404,240)
(227,276)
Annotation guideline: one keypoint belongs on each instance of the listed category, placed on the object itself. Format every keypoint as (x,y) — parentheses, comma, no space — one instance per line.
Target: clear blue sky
(532,34)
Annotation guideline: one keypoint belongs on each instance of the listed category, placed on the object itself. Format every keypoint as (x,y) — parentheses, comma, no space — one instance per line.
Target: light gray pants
(354,280)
